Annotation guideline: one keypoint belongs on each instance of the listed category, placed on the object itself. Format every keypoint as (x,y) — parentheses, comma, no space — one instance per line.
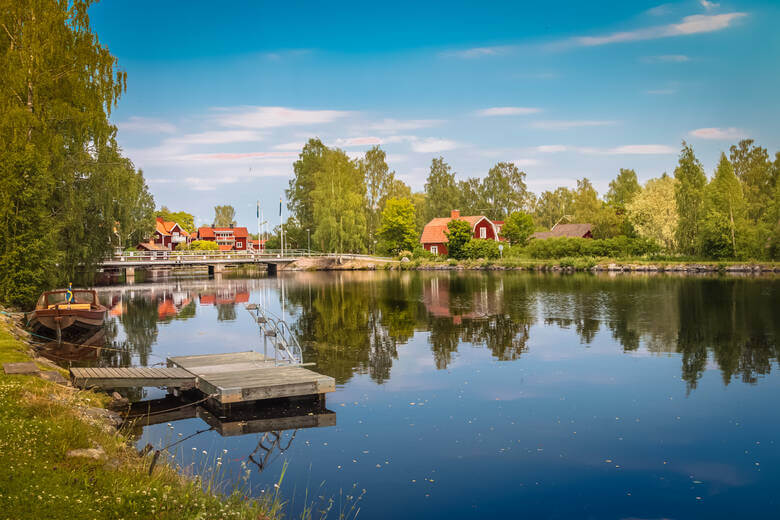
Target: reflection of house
(434,238)
(567,230)
(228,238)
(167,235)
(223,297)
(472,304)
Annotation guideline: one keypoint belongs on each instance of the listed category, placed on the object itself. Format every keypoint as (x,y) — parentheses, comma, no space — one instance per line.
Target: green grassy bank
(40,422)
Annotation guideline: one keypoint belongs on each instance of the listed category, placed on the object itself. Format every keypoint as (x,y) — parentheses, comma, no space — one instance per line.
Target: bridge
(217,260)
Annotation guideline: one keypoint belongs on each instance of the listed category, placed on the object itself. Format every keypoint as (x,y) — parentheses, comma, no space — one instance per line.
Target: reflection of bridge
(217,260)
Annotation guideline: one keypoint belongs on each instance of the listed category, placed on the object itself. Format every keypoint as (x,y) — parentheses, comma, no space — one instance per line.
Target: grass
(40,423)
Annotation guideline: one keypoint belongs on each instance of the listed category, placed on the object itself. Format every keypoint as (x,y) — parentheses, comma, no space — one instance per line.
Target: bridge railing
(130,256)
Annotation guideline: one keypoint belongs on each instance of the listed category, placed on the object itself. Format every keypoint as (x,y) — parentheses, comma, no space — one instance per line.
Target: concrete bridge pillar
(129,275)
(216,269)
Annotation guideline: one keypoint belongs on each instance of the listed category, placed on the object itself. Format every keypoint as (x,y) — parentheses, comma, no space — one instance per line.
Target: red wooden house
(167,235)
(228,238)
(434,238)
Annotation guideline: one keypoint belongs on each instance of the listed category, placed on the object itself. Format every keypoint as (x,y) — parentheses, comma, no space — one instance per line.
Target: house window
(435,250)
(483,232)
(238,244)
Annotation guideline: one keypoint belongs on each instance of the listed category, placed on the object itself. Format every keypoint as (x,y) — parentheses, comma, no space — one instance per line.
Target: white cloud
(508,111)
(694,24)
(397,125)
(722,134)
(708,6)
(667,58)
(479,52)
(632,149)
(433,145)
(147,125)
(290,146)
(662,91)
(273,117)
(563,125)
(551,148)
(660,10)
(219,137)
(252,157)
(358,141)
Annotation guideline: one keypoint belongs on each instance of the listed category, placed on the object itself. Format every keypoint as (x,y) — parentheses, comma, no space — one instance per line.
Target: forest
(68,196)
(361,206)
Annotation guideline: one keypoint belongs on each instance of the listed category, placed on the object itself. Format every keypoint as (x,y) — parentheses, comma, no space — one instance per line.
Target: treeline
(67,194)
(360,205)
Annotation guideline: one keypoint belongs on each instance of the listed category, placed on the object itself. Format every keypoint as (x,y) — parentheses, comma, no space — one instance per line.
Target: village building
(566,230)
(434,238)
(227,238)
(167,235)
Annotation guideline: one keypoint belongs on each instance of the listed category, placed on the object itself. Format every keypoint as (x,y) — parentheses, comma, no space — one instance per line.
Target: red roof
(433,232)
(238,232)
(166,227)
(225,247)
(205,232)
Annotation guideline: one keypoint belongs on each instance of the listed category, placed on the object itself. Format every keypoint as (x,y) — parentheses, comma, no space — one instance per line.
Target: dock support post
(129,275)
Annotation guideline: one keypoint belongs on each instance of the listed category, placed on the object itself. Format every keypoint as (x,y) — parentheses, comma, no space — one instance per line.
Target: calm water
(473,395)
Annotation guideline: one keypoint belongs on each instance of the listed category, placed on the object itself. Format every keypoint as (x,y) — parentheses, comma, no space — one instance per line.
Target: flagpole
(281,227)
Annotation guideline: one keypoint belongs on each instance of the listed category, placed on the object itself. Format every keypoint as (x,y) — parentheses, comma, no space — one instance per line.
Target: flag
(258,209)
(280,206)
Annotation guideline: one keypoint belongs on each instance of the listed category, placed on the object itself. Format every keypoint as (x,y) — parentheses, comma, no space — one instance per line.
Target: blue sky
(222,96)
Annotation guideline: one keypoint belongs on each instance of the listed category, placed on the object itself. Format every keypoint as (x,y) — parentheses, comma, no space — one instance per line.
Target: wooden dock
(238,377)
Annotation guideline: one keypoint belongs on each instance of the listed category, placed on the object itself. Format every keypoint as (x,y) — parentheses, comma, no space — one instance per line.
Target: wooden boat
(53,314)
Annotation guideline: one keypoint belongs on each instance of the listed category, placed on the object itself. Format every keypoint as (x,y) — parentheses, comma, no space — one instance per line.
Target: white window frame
(483,232)
(435,250)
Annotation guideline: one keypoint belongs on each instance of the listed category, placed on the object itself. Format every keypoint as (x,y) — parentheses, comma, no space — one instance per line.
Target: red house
(167,235)
(228,238)
(434,238)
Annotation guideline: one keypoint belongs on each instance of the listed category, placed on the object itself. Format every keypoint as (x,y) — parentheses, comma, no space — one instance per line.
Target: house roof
(565,230)
(238,232)
(165,227)
(205,232)
(151,246)
(225,247)
(434,231)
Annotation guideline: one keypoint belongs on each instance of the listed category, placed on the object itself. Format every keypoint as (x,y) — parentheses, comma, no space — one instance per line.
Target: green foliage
(623,189)
(518,227)
(440,190)
(653,211)
(724,224)
(339,204)
(381,186)
(224,216)
(689,195)
(504,191)
(586,204)
(458,235)
(182,218)
(618,247)
(203,245)
(552,206)
(481,248)
(67,196)
(301,188)
(397,232)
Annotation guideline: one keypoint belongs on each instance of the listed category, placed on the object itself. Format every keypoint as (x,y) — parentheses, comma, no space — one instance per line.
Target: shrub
(481,248)
(620,246)
(204,245)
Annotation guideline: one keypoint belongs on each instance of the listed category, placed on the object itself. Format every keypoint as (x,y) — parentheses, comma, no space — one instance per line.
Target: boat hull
(51,320)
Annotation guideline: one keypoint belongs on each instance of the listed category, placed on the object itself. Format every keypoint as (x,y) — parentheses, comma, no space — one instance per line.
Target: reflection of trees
(348,325)
(226,312)
(139,321)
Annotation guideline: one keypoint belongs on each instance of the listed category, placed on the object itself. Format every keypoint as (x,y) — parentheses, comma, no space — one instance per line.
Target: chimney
(455,214)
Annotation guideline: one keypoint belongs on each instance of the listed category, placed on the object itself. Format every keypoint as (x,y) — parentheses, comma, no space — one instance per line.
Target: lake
(490,394)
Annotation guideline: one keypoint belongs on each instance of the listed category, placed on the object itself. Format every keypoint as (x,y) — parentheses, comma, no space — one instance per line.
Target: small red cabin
(434,238)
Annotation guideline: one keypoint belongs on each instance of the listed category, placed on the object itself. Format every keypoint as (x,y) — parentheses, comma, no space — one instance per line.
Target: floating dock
(239,377)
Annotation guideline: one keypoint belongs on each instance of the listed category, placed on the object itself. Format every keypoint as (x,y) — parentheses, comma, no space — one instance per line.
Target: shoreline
(563,265)
(63,454)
